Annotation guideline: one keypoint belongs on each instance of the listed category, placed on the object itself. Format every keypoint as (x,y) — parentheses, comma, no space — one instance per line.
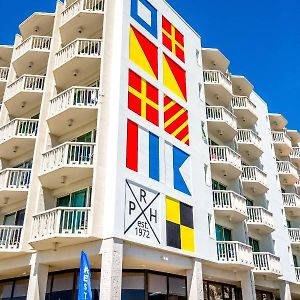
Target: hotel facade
(122,136)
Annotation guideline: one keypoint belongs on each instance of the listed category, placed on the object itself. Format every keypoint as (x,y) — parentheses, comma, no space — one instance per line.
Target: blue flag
(84,282)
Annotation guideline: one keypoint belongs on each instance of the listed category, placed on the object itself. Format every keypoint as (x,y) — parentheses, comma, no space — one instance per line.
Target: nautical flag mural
(143,98)
(174,77)
(142,153)
(176,120)
(143,53)
(179,225)
(145,14)
(178,169)
(173,39)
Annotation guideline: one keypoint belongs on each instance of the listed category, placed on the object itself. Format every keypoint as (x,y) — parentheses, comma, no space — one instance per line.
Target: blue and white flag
(84,282)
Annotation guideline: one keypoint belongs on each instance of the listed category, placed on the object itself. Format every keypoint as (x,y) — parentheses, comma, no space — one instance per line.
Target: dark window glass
(177,288)
(133,286)
(222,233)
(157,287)
(255,244)
(62,286)
(218,186)
(215,291)
(5,290)
(20,289)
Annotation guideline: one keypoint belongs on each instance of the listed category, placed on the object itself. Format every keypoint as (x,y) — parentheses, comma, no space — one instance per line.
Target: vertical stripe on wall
(153,156)
(132,146)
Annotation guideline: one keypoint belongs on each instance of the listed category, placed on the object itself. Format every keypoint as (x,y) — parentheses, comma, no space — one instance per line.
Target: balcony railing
(297,271)
(235,252)
(217,77)
(224,154)
(266,262)
(281,138)
(286,167)
(229,200)
(26,83)
(94,6)
(10,237)
(73,154)
(14,178)
(251,173)
(74,97)
(79,48)
(294,234)
(219,113)
(291,200)
(259,215)
(19,128)
(296,152)
(243,102)
(70,221)
(36,43)
(3,73)
(247,136)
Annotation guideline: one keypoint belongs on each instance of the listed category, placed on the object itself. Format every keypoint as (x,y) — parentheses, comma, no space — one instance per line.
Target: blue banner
(84,282)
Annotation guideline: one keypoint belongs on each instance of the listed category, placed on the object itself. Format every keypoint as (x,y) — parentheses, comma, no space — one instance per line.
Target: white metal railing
(19,128)
(217,77)
(291,200)
(235,252)
(247,136)
(34,42)
(259,215)
(296,152)
(3,73)
(243,102)
(294,234)
(94,6)
(26,83)
(75,96)
(69,153)
(280,137)
(252,173)
(286,167)
(15,178)
(266,262)
(10,237)
(229,200)
(297,271)
(224,154)
(61,221)
(79,47)
(220,113)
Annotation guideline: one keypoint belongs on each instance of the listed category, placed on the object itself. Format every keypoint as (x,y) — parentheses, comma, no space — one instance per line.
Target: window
(88,137)
(223,234)
(133,286)
(288,223)
(249,202)
(14,289)
(295,261)
(157,287)
(77,199)
(255,244)
(198,57)
(15,219)
(207,175)
(212,143)
(220,291)
(25,165)
(217,186)
(204,138)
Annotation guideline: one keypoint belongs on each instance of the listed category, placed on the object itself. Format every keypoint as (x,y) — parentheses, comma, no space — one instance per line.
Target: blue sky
(260,38)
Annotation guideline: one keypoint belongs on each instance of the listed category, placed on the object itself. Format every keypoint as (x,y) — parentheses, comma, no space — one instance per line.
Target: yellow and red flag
(173,39)
(176,120)
(143,53)
(143,98)
(174,77)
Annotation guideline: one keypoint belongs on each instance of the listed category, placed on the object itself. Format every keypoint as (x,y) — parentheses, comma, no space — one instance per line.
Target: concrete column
(285,291)
(37,280)
(195,281)
(247,285)
(111,269)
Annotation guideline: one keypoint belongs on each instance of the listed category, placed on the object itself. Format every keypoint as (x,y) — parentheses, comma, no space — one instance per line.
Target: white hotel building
(214,214)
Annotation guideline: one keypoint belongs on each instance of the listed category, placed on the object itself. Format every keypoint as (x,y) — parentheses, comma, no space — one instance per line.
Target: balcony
(295,156)
(254,180)
(225,162)
(266,264)
(245,110)
(288,173)
(235,254)
(77,61)
(10,237)
(61,226)
(277,121)
(294,234)
(260,219)
(77,105)
(81,14)
(230,205)
(24,94)
(297,185)
(218,85)
(14,185)
(3,77)
(17,137)
(291,203)
(32,54)
(221,123)
(282,143)
(297,271)
(67,163)
(249,144)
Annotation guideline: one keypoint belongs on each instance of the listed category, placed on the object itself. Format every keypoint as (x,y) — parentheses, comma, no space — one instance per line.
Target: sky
(260,38)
